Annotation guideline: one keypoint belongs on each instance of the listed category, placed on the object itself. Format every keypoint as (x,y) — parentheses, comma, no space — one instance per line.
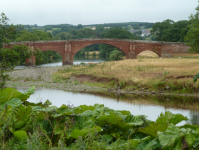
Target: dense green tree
(85,33)
(116,54)
(73,32)
(170,31)
(104,49)
(159,27)
(43,35)
(176,32)
(149,25)
(65,36)
(27,36)
(79,26)
(192,37)
(7,32)
(48,27)
(34,36)
(136,27)
(55,32)
(10,57)
(99,29)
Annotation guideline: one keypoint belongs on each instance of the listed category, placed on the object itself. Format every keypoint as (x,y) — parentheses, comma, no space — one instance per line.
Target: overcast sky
(43,12)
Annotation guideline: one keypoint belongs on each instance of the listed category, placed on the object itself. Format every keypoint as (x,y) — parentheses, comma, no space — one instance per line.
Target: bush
(116,55)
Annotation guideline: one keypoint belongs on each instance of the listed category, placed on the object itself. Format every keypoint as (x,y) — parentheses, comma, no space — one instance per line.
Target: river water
(137,105)
(152,107)
(75,62)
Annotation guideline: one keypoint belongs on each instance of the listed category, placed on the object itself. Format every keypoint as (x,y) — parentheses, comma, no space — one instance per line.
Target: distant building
(145,32)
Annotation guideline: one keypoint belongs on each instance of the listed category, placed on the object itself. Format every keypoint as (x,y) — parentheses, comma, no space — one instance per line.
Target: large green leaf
(112,119)
(193,127)
(130,144)
(20,135)
(14,102)
(22,116)
(168,117)
(195,77)
(175,138)
(134,120)
(76,133)
(153,128)
(84,122)
(107,138)
(149,144)
(63,111)
(47,109)
(83,125)
(82,108)
(27,94)
(9,93)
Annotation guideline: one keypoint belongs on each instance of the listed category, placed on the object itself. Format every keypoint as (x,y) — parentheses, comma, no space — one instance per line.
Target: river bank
(55,78)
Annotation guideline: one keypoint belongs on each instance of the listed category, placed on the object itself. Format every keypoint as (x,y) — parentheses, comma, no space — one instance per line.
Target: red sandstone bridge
(131,48)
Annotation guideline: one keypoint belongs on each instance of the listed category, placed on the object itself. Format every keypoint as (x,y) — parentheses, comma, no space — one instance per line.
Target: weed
(122,84)
(76,82)
(166,73)
(112,82)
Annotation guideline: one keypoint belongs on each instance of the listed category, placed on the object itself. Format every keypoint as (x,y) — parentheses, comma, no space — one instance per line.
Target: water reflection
(136,104)
(193,117)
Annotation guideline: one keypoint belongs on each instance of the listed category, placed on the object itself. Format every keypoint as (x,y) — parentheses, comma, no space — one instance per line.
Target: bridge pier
(67,59)
(131,54)
(31,61)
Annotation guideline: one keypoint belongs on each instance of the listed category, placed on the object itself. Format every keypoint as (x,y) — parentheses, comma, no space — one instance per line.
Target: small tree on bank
(10,57)
(192,37)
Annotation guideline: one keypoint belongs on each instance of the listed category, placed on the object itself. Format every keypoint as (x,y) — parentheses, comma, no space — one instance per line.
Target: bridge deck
(101,39)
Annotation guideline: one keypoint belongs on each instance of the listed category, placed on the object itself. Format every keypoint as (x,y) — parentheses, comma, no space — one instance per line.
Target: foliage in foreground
(25,125)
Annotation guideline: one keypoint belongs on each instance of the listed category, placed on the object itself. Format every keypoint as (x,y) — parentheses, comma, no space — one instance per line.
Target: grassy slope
(153,73)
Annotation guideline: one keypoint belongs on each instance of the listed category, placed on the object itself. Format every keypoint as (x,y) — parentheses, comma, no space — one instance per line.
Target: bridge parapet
(100,39)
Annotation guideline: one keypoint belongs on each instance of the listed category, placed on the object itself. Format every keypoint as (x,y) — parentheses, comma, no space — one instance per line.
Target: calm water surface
(137,106)
(75,62)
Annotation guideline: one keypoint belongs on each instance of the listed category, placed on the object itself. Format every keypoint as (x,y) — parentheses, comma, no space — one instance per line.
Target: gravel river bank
(41,78)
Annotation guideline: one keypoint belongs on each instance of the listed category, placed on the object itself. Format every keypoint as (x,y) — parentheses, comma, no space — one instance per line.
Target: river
(137,105)
(75,62)
(152,107)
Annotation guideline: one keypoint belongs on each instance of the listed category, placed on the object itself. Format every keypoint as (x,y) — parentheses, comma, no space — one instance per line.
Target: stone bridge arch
(131,48)
(158,52)
(81,45)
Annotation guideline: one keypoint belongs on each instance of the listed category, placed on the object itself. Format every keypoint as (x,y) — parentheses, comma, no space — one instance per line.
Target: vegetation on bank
(171,74)
(9,57)
(25,125)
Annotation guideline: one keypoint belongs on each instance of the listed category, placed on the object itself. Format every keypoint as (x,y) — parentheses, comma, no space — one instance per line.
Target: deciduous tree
(192,37)
(10,57)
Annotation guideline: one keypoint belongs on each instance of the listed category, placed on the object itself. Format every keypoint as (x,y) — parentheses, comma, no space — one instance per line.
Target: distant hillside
(106,25)
(123,24)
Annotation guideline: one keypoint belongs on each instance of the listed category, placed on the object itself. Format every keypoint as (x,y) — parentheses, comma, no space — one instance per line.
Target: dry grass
(150,54)
(190,55)
(91,53)
(143,71)
(147,54)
